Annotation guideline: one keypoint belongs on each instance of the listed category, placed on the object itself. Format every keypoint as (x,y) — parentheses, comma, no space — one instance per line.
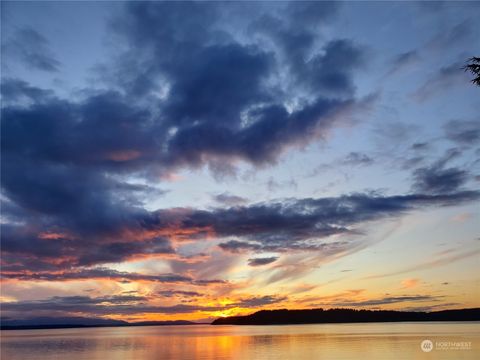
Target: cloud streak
(32,49)
(105,274)
(445,260)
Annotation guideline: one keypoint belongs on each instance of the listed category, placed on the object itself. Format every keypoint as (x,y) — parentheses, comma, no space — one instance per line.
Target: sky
(191,160)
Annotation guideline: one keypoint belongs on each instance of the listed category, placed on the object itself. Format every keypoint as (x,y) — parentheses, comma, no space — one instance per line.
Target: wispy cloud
(32,49)
(441,80)
(442,261)
(410,283)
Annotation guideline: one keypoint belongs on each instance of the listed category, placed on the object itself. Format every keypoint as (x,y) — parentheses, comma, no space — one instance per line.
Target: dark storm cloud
(289,225)
(57,165)
(208,110)
(262,261)
(103,130)
(31,48)
(333,70)
(230,73)
(327,71)
(296,35)
(210,114)
(213,111)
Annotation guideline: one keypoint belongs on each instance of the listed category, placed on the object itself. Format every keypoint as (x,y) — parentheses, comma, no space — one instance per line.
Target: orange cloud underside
(124,155)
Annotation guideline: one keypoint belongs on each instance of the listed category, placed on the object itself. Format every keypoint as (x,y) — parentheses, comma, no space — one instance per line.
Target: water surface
(367,341)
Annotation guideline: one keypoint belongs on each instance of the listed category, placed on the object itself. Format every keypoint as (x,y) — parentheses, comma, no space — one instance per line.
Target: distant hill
(77,322)
(314,316)
(57,322)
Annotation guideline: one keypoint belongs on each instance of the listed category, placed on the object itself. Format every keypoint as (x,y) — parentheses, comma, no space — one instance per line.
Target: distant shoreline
(268,317)
(81,326)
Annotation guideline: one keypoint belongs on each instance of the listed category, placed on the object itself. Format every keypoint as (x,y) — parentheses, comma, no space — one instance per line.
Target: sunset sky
(194,160)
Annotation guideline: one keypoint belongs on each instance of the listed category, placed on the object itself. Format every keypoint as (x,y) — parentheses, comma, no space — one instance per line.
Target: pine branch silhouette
(474,68)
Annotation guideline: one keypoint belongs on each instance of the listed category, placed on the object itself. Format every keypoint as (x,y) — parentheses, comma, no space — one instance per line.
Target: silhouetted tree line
(312,316)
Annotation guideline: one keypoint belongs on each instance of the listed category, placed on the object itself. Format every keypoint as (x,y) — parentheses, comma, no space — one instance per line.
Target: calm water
(298,342)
